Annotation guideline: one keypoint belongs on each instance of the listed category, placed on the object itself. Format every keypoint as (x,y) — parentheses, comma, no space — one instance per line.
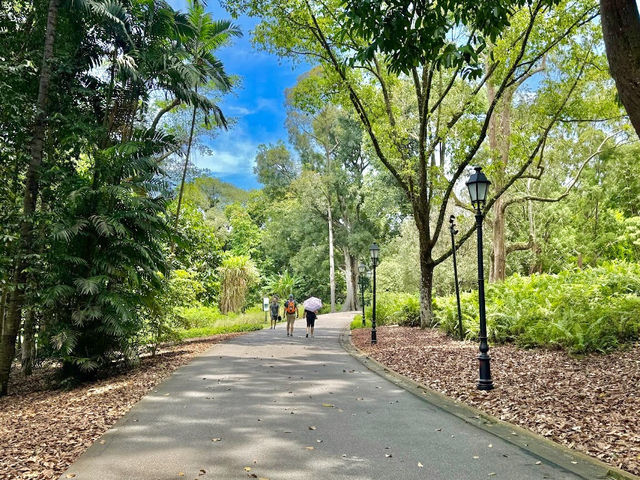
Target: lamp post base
(374,337)
(485,382)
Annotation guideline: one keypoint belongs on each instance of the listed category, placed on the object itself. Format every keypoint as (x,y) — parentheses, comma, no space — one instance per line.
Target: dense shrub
(393,309)
(589,310)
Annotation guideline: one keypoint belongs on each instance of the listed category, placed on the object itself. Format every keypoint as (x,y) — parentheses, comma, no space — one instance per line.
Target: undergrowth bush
(393,309)
(591,310)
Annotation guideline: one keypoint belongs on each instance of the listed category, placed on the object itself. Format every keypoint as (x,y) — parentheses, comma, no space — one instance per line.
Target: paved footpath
(295,408)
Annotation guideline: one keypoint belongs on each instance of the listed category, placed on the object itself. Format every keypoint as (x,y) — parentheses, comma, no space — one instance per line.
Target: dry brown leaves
(43,431)
(589,403)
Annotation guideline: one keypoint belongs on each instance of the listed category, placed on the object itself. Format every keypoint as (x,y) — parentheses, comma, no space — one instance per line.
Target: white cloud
(229,154)
(238,110)
(258,105)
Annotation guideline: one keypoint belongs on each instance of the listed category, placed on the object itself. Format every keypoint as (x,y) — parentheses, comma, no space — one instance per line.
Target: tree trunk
(14,313)
(28,343)
(497,272)
(184,176)
(621,31)
(351,279)
(499,145)
(426,269)
(332,265)
(3,308)
(426,289)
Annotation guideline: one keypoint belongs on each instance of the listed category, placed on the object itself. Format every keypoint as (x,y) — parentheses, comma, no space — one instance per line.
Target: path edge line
(585,466)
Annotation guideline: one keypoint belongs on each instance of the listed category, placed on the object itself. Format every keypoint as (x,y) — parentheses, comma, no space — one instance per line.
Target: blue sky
(257,104)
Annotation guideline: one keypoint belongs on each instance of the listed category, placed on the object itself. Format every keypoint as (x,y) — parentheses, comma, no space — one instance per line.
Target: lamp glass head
(374,250)
(478,186)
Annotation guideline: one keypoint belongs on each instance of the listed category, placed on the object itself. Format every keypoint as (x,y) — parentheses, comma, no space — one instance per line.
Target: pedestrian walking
(311,307)
(275,310)
(311,321)
(291,312)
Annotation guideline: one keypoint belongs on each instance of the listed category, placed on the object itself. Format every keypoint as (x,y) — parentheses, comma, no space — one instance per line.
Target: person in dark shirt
(311,321)
(275,309)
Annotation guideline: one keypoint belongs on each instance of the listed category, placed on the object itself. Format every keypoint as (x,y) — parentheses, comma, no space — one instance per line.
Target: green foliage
(96,251)
(282,285)
(395,309)
(244,238)
(415,34)
(275,168)
(108,258)
(591,310)
(357,323)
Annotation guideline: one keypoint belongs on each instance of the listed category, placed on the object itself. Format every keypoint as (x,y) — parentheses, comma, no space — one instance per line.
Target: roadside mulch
(43,430)
(588,403)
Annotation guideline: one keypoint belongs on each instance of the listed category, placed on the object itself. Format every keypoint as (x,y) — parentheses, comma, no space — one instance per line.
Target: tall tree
(205,38)
(588,116)
(621,27)
(11,323)
(408,118)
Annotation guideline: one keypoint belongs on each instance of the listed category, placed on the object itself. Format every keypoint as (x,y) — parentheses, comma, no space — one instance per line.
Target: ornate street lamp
(478,186)
(454,231)
(362,268)
(374,250)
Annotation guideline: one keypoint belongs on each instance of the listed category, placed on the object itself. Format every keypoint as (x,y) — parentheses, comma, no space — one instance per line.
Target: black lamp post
(362,268)
(452,228)
(374,250)
(478,186)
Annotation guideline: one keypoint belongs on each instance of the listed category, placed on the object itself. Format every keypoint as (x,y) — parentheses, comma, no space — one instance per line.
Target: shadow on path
(295,408)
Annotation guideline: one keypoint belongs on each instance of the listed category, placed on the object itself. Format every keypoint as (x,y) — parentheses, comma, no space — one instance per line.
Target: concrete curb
(575,462)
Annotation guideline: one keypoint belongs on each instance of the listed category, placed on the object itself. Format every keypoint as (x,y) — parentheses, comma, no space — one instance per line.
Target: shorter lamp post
(452,228)
(374,250)
(478,186)
(362,268)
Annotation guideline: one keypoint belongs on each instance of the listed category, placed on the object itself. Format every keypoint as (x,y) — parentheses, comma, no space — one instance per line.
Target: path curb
(547,450)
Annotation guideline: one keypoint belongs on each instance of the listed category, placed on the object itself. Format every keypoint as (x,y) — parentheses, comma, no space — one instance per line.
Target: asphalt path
(265,405)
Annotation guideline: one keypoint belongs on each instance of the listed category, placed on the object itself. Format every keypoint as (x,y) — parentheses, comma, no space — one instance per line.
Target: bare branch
(483,131)
(571,184)
(355,99)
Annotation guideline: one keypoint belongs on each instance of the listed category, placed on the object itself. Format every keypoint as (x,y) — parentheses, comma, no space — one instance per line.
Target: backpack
(291,306)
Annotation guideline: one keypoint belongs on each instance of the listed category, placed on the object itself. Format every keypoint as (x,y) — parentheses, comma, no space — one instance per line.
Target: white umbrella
(312,304)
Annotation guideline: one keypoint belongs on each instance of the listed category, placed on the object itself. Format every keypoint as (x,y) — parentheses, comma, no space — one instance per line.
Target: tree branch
(162,111)
(355,99)
(483,131)
(534,198)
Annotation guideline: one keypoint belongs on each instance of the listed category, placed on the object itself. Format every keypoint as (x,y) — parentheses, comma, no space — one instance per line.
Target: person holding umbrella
(311,307)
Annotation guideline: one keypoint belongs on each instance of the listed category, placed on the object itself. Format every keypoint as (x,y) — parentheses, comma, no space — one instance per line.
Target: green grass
(209,331)
(207,321)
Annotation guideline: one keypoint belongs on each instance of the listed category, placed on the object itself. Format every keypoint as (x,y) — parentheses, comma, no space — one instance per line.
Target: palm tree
(283,284)
(237,274)
(207,35)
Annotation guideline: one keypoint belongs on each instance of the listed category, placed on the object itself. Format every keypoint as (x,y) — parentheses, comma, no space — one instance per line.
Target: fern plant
(114,236)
